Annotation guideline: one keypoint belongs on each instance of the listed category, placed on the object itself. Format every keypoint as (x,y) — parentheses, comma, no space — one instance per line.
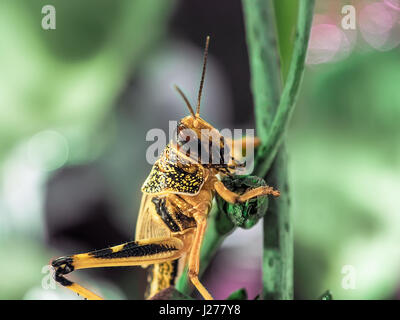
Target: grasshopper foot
(62,266)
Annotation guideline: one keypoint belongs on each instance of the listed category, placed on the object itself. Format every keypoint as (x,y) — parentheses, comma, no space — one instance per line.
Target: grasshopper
(177,197)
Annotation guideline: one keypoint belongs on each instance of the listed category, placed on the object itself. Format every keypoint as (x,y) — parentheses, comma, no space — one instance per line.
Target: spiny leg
(129,254)
(260,191)
(63,267)
(233,197)
(194,258)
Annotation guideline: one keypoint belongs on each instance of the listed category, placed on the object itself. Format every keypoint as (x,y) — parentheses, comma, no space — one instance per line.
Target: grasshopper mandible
(177,197)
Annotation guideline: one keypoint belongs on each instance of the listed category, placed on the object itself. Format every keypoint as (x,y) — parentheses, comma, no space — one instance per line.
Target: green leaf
(264,62)
(267,151)
(262,18)
(286,19)
(240,294)
(327,295)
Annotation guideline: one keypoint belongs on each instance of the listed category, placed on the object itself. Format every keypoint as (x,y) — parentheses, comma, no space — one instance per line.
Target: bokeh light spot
(376,19)
(394,4)
(379,26)
(326,42)
(48,150)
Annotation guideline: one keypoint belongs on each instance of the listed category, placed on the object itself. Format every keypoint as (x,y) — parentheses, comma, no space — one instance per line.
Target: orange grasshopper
(177,197)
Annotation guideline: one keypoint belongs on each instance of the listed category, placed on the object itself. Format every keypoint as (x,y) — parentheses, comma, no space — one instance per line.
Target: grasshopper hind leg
(129,254)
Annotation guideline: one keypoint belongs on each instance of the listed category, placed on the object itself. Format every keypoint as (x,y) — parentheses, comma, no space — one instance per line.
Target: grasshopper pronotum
(177,197)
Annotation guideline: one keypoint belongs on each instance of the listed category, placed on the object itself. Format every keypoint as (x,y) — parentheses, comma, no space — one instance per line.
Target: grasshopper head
(199,140)
(198,132)
(203,143)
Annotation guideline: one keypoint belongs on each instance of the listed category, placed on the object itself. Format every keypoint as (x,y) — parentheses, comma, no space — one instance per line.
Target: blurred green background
(76,104)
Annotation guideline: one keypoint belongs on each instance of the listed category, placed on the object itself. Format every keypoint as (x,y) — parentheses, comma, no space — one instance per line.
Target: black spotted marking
(170,174)
(162,211)
(132,249)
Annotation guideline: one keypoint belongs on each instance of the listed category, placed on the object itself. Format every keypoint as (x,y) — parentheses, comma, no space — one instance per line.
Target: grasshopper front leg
(194,258)
(232,197)
(129,254)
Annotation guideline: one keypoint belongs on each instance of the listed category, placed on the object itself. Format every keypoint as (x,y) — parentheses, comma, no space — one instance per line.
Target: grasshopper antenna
(202,75)
(186,100)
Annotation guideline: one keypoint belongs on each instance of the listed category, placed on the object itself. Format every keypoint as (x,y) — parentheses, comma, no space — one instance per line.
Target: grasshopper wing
(149,224)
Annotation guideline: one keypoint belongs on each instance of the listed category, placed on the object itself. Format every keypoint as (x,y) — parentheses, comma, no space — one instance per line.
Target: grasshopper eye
(180,127)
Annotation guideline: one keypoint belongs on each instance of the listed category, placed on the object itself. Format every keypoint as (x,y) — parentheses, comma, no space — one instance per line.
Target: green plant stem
(267,152)
(264,62)
(278,227)
(265,74)
(278,235)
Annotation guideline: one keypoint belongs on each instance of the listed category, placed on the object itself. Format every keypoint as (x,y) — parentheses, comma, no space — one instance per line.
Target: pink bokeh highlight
(328,42)
(376,19)
(379,25)
(393,4)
